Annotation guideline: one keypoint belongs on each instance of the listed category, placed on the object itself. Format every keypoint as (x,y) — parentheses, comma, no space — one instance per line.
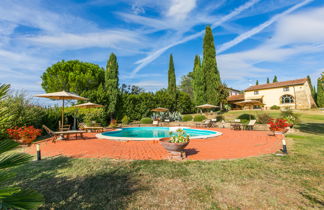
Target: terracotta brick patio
(232,144)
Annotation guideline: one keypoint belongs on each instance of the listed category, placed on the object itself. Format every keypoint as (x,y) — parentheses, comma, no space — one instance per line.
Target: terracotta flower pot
(173,147)
(26,140)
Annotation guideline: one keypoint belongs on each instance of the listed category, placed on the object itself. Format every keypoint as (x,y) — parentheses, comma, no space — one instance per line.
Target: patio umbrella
(88,106)
(63,95)
(160,109)
(249,102)
(206,106)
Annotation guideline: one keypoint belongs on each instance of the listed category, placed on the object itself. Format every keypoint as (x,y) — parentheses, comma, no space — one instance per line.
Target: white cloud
(105,39)
(156,53)
(259,28)
(179,9)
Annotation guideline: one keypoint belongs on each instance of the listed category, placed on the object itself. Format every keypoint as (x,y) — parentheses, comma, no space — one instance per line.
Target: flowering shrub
(179,137)
(278,124)
(25,132)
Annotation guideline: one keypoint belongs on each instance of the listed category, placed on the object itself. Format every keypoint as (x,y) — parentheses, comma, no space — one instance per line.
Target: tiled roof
(236,97)
(277,84)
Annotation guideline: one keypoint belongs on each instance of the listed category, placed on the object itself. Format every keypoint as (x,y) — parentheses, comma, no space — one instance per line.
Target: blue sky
(255,39)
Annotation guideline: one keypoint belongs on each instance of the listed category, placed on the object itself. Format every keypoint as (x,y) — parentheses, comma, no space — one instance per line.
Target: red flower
(278,124)
(24,132)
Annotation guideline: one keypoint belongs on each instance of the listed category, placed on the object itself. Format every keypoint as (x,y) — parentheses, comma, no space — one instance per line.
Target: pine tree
(268,80)
(257,82)
(111,84)
(172,86)
(198,83)
(320,92)
(209,66)
(275,79)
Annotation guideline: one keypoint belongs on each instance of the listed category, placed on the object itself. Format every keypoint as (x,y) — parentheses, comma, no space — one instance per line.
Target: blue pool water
(156,132)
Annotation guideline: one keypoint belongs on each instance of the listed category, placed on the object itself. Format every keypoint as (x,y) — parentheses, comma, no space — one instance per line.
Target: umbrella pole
(62,122)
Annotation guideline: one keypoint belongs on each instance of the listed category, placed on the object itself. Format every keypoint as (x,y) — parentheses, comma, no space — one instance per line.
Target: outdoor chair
(98,128)
(56,134)
(250,125)
(156,123)
(236,125)
(64,127)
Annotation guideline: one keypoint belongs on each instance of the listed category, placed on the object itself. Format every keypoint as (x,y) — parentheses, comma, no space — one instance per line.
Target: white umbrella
(63,95)
(89,105)
(206,106)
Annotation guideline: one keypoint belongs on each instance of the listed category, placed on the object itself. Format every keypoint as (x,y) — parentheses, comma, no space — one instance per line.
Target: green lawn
(266,182)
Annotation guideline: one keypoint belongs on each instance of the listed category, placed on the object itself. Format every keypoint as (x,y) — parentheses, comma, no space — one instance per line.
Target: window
(256,92)
(287,99)
(286,89)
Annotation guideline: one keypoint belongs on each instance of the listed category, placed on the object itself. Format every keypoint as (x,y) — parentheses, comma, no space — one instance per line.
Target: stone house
(295,94)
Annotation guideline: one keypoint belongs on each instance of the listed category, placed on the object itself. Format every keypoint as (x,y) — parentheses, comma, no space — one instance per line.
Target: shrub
(246,117)
(146,120)
(263,118)
(187,118)
(275,107)
(125,120)
(220,118)
(291,117)
(199,118)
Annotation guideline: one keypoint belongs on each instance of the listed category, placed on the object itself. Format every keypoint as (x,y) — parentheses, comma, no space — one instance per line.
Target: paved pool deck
(231,145)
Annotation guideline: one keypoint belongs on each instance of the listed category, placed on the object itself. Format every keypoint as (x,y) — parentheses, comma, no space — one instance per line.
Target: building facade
(295,94)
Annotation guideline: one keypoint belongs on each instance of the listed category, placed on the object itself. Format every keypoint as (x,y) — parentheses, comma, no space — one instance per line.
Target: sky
(254,39)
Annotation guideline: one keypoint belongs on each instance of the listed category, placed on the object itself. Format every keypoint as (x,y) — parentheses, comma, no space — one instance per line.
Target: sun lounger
(56,134)
(250,125)
(83,126)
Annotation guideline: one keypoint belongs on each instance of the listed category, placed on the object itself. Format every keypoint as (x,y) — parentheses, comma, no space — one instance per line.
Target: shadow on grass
(102,189)
(313,128)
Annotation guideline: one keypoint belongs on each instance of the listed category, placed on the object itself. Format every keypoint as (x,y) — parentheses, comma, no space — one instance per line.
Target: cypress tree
(172,86)
(275,79)
(320,91)
(111,84)
(209,66)
(198,82)
(268,80)
(257,82)
(313,91)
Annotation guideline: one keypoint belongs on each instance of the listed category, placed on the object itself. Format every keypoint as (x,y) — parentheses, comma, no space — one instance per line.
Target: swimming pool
(154,133)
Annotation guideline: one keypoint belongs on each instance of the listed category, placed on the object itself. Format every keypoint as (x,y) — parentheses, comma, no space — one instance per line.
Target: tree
(199,85)
(320,91)
(72,76)
(312,88)
(257,82)
(209,66)
(13,197)
(172,86)
(268,80)
(186,84)
(224,93)
(275,79)
(111,84)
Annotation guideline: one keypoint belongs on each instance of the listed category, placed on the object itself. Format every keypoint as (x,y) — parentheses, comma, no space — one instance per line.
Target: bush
(290,116)
(125,120)
(219,118)
(275,107)
(263,118)
(187,118)
(246,117)
(199,118)
(146,120)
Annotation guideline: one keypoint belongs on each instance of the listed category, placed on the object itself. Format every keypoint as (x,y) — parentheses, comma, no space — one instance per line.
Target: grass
(265,182)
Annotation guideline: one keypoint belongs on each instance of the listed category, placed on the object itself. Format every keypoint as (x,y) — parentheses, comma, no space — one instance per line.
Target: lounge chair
(64,127)
(56,134)
(83,126)
(236,125)
(156,123)
(205,124)
(250,125)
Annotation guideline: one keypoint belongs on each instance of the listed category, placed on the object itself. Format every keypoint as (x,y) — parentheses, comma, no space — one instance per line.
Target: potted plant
(25,134)
(177,142)
(278,126)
